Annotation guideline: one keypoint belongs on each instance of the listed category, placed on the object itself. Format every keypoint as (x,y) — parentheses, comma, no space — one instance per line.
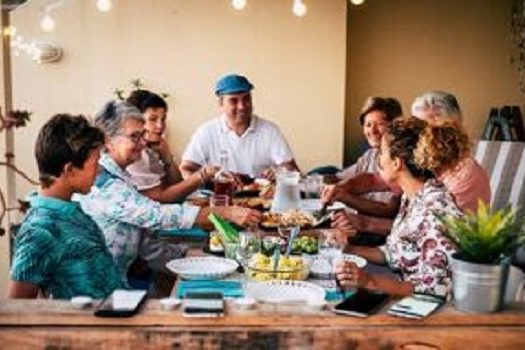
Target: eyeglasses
(136,136)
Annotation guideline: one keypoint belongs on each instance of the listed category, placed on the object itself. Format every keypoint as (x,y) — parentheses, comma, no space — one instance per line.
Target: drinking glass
(249,245)
(219,200)
(313,186)
(330,249)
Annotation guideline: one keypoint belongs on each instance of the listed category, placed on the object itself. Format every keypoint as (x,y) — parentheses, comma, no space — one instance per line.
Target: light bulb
(104,5)
(10,31)
(239,4)
(48,23)
(357,2)
(299,8)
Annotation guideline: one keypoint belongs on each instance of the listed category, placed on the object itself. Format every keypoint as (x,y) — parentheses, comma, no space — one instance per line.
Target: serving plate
(202,268)
(282,292)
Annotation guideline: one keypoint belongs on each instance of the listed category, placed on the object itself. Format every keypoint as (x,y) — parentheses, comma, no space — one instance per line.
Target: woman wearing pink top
(467,181)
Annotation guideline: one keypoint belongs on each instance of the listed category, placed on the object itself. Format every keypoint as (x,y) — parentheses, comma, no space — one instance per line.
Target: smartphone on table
(203,304)
(121,303)
(361,304)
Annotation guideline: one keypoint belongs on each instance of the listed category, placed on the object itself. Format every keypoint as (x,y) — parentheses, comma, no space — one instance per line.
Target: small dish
(245,303)
(169,303)
(81,302)
(317,304)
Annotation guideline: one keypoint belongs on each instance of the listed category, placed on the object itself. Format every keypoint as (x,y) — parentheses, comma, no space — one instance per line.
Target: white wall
(401,48)
(181,47)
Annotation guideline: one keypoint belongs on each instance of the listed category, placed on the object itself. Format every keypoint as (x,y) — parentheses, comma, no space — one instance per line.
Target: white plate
(321,269)
(286,292)
(262,182)
(313,205)
(202,268)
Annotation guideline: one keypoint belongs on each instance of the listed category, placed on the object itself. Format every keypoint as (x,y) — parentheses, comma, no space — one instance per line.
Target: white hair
(112,116)
(439,103)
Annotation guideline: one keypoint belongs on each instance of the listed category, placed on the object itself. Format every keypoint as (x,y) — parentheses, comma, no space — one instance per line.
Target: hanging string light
(239,4)
(47,23)
(104,5)
(299,8)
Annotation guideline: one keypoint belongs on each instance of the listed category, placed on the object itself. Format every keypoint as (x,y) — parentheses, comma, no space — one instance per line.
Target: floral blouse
(418,246)
(125,215)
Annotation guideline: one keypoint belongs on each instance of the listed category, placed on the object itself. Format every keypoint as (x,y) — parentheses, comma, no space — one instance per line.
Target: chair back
(504,162)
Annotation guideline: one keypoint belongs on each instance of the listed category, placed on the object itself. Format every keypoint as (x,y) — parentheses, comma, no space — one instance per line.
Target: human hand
(332,193)
(242,216)
(358,222)
(351,276)
(209,171)
(345,229)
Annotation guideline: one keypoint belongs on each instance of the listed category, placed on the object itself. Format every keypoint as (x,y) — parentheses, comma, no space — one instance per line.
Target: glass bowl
(261,268)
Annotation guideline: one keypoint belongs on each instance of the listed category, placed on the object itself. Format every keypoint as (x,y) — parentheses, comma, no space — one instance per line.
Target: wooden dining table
(53,324)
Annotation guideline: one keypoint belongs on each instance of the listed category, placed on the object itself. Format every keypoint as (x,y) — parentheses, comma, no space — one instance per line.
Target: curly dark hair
(426,149)
(144,99)
(65,139)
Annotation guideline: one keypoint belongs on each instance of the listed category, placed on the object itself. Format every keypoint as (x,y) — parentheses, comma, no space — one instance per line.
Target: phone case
(203,305)
(361,304)
(105,309)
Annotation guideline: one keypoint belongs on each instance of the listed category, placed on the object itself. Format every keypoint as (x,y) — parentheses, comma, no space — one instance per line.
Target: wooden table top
(52,312)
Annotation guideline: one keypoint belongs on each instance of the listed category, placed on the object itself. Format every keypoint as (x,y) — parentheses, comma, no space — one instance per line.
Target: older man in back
(246,143)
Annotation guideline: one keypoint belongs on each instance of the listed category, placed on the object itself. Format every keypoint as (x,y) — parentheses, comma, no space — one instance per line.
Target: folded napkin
(332,294)
(227,288)
(184,232)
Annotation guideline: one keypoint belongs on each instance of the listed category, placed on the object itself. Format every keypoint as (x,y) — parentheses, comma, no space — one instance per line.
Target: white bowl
(202,268)
(169,303)
(81,302)
(316,304)
(284,292)
(245,303)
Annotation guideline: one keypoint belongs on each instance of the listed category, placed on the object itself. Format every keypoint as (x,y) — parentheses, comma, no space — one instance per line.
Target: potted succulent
(485,243)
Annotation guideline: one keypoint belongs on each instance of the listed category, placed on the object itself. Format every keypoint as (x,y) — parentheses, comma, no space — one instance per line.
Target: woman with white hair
(124,214)
(466,180)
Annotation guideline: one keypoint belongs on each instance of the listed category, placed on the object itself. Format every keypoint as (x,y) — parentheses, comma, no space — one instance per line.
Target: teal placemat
(332,294)
(227,288)
(188,232)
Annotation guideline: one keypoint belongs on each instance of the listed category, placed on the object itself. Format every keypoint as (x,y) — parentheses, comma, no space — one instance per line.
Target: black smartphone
(361,304)
(203,304)
(121,303)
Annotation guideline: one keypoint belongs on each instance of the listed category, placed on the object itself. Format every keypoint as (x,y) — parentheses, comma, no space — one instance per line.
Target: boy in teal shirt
(60,251)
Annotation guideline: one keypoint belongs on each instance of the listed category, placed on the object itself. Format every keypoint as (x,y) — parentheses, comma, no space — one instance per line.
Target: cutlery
(293,234)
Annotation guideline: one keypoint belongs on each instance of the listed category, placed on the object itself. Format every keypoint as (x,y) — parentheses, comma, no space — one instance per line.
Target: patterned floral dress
(418,246)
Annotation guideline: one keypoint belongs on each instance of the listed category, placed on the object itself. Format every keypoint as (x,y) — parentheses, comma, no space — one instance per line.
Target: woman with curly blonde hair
(412,150)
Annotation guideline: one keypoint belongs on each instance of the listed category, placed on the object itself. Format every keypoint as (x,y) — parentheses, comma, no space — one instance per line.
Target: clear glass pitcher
(287,193)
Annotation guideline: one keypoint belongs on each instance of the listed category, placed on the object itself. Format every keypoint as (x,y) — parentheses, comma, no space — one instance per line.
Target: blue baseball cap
(232,84)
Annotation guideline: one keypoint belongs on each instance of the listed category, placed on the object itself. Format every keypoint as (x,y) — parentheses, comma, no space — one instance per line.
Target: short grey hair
(440,103)
(112,116)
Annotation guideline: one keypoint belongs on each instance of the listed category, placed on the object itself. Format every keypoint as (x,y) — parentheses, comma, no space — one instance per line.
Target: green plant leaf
(484,236)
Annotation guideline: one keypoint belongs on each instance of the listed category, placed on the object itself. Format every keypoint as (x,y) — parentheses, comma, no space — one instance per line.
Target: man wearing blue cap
(250,144)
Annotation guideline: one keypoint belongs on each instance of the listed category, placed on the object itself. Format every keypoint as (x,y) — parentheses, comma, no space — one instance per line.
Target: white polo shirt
(261,146)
